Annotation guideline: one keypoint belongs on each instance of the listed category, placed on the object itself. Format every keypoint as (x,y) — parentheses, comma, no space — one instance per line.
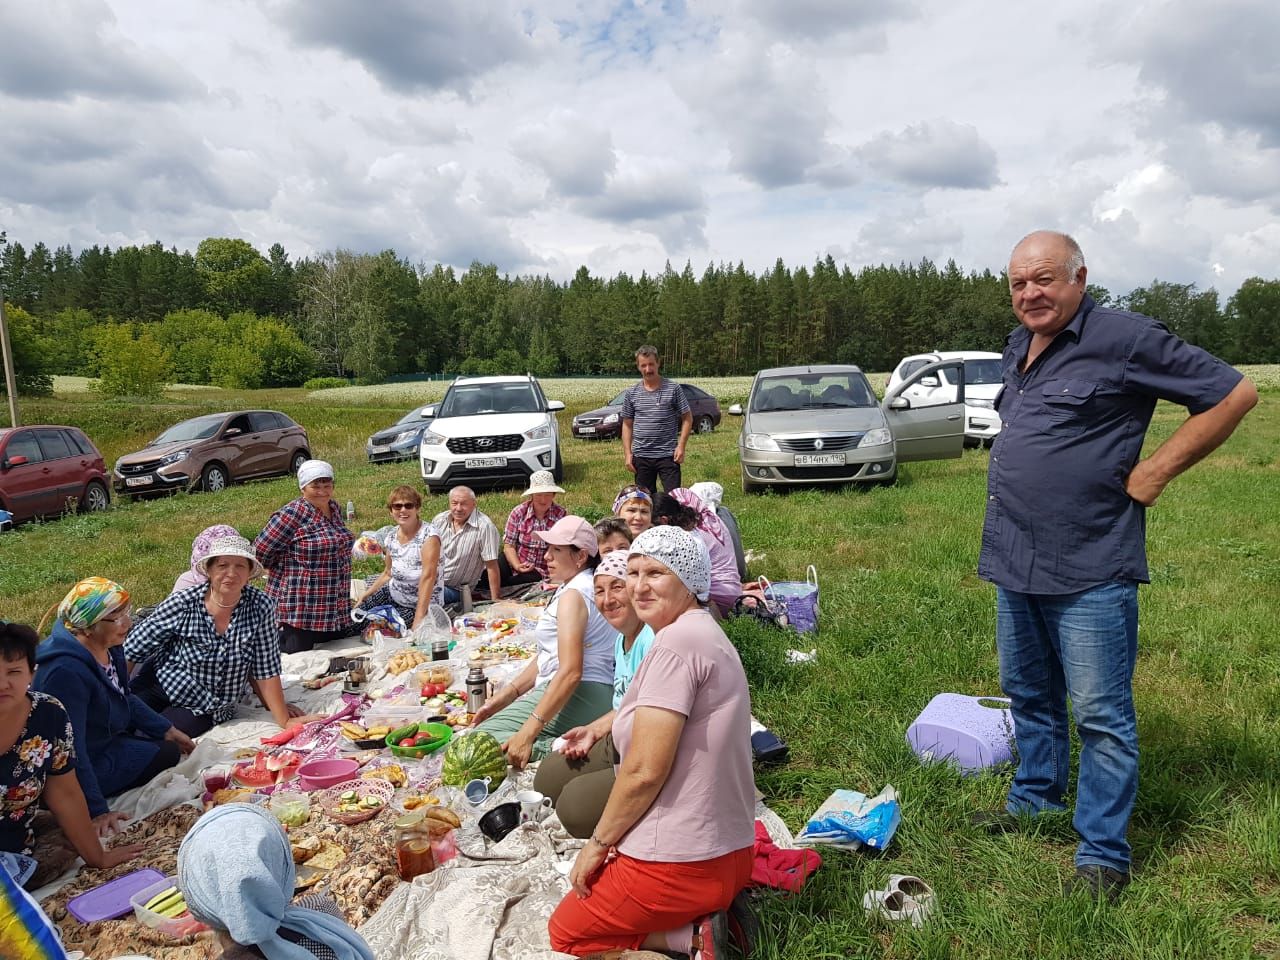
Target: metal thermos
(477,689)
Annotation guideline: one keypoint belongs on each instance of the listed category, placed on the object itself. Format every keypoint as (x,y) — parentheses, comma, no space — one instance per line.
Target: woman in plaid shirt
(306,549)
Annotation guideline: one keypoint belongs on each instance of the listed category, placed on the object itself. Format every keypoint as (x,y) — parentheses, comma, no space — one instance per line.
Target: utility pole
(10,381)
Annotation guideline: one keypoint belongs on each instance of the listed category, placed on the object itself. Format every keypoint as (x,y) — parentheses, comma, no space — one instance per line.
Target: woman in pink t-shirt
(673,846)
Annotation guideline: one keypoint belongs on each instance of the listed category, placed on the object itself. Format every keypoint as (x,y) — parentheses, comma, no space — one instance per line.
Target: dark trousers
(167,756)
(296,640)
(651,469)
(146,686)
(510,577)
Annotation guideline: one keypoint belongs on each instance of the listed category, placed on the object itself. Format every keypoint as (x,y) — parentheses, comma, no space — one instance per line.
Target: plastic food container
(320,774)
(112,899)
(290,808)
(440,733)
(175,928)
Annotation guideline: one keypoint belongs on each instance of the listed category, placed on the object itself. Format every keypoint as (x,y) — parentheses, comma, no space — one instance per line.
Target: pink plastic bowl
(319,774)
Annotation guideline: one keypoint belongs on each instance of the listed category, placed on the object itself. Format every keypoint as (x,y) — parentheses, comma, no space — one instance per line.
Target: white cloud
(547,136)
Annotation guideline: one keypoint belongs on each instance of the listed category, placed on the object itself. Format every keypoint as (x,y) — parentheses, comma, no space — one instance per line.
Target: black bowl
(500,821)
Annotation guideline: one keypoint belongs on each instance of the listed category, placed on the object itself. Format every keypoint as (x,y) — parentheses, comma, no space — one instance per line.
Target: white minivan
(981,384)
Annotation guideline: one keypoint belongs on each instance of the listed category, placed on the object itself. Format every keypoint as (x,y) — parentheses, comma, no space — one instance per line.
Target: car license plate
(585,430)
(483,463)
(138,481)
(380,448)
(819,459)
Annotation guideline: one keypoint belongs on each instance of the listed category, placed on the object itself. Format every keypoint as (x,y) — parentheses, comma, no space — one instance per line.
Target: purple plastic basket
(112,898)
(975,733)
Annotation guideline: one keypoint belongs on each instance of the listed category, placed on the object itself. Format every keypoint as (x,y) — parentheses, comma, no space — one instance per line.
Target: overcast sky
(619,136)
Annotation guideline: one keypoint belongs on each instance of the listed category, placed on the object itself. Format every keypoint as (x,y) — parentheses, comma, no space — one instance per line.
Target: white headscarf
(683,553)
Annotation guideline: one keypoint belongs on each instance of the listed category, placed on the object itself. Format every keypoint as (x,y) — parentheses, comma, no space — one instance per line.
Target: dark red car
(605,423)
(46,470)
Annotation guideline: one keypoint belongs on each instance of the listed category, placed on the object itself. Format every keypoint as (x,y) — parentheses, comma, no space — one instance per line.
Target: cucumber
(175,909)
(395,736)
(161,897)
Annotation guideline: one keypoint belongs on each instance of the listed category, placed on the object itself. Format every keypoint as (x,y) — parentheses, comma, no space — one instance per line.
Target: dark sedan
(605,423)
(400,440)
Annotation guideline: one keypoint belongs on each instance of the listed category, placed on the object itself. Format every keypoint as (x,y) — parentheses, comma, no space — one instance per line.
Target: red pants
(634,898)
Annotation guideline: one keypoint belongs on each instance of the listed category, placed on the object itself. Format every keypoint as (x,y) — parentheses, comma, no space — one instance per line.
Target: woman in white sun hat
(523,554)
(201,647)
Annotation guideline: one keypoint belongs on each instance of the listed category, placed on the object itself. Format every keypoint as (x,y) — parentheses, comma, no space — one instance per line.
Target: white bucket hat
(542,481)
(313,470)
(231,547)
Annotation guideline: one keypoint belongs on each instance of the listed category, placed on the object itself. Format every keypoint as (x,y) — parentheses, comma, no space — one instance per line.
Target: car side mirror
(930,382)
(231,432)
(428,412)
(17,461)
(735,410)
(554,405)
(899,403)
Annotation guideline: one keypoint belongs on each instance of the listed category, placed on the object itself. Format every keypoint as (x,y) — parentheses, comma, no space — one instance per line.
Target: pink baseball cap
(570,531)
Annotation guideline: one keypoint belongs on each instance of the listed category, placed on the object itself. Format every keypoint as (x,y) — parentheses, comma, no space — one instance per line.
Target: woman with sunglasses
(412,551)
(121,743)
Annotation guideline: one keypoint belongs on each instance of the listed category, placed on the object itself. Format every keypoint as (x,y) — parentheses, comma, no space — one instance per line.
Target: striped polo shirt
(655,418)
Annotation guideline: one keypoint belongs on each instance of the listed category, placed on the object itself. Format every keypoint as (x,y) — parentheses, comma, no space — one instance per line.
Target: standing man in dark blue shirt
(1065,531)
(656,421)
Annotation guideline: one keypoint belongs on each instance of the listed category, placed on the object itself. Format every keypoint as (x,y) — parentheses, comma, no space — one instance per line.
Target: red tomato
(406,742)
(430,689)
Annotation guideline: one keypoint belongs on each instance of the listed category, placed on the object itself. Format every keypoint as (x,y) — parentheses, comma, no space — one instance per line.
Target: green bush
(129,365)
(325,383)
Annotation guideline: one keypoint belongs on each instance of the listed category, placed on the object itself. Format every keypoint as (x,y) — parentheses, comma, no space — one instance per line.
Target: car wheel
(434,490)
(299,458)
(557,472)
(214,478)
(704,424)
(95,498)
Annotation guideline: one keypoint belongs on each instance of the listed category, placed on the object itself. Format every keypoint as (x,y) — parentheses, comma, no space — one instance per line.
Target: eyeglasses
(125,614)
(404,506)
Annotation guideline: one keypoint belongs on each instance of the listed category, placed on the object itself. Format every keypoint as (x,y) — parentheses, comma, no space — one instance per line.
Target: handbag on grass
(798,597)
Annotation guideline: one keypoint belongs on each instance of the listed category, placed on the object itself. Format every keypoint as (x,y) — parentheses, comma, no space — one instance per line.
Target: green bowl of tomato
(418,739)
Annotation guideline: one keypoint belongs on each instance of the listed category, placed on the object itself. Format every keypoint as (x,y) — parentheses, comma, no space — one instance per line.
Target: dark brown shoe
(1098,882)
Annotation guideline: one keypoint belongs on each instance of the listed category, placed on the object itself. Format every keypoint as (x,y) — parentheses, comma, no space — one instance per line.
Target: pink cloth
(706,808)
(726,586)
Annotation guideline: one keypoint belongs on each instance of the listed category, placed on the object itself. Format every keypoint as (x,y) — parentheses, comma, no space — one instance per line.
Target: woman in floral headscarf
(199,550)
(38,761)
(120,742)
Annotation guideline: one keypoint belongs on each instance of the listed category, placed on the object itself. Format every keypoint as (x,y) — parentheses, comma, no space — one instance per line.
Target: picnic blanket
(493,900)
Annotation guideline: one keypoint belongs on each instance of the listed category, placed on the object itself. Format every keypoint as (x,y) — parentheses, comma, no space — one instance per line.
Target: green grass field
(903,617)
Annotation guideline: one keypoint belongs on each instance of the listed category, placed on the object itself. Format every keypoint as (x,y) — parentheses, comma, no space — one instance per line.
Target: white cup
(534,806)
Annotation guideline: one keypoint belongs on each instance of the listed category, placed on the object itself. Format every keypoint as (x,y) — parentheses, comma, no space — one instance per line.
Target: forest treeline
(230,315)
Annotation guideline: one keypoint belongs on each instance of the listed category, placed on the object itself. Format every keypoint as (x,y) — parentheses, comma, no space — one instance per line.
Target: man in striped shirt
(656,422)
(469,546)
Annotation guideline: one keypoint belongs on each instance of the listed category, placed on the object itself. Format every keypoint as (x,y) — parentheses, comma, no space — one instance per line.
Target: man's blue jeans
(1082,645)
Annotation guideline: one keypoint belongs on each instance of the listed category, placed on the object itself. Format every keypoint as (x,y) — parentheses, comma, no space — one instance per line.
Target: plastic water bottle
(351,510)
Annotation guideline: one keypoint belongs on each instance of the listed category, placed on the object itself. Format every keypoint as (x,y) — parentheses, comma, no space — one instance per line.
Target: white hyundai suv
(490,432)
(981,384)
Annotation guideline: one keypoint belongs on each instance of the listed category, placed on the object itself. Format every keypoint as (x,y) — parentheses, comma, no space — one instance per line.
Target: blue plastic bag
(851,819)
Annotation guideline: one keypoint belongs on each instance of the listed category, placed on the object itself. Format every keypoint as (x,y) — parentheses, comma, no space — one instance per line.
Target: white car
(981,384)
(490,432)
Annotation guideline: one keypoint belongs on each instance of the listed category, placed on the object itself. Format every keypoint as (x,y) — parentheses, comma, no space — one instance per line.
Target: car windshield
(811,391)
(201,428)
(617,401)
(986,370)
(464,400)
